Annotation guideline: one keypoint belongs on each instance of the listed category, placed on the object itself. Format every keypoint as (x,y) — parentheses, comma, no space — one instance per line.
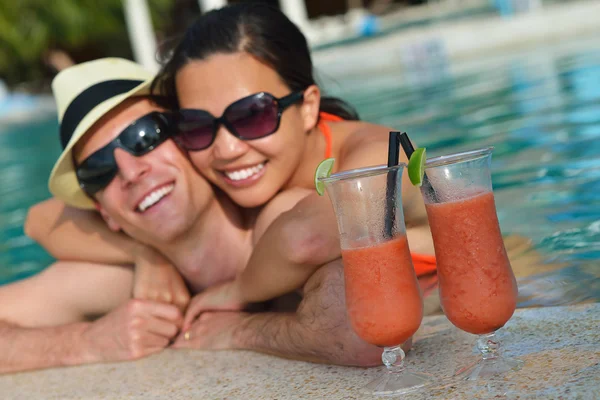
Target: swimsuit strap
(424,264)
(326,130)
(325,116)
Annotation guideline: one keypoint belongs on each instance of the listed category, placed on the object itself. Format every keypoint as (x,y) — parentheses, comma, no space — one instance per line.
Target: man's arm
(42,319)
(319,331)
(136,329)
(72,234)
(24,349)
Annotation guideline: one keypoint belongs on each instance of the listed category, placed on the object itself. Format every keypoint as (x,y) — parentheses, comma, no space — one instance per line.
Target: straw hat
(84,93)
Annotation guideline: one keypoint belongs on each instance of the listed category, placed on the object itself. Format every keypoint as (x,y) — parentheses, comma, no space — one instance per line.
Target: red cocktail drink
(383,298)
(478,290)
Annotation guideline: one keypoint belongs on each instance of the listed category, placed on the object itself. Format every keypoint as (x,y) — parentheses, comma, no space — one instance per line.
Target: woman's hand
(222,297)
(157,279)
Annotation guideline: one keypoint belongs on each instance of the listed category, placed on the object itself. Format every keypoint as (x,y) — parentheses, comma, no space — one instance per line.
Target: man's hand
(136,329)
(221,297)
(212,331)
(158,280)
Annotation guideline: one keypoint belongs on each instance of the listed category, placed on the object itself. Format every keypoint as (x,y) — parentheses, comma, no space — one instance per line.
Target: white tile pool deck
(560,347)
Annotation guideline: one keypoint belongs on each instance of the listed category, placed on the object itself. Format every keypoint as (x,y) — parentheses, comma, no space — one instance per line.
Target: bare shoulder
(364,144)
(355,133)
(281,203)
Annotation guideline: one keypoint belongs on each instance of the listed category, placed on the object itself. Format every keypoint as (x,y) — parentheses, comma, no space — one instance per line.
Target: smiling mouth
(245,173)
(154,197)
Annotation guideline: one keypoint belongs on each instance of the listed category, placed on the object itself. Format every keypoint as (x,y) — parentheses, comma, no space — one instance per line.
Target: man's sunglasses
(139,138)
(249,118)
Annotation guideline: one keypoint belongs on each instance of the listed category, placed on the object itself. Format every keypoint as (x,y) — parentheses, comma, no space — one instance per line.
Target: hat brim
(63,182)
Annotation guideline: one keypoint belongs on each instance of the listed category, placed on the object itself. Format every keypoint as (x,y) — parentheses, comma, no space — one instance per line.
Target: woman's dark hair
(258,29)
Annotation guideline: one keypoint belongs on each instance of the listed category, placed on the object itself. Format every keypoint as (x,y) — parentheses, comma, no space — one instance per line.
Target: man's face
(155,198)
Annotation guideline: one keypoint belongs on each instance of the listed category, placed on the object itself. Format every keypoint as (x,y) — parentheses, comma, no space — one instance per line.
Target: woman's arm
(71,234)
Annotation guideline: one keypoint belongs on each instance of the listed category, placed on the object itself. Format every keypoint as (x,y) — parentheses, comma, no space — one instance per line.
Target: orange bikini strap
(329,117)
(326,130)
(424,264)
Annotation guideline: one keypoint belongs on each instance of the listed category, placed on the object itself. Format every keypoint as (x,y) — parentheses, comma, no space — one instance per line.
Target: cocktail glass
(383,298)
(478,290)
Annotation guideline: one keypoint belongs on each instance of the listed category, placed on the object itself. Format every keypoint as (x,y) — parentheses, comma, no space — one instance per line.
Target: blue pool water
(541,112)
(27,153)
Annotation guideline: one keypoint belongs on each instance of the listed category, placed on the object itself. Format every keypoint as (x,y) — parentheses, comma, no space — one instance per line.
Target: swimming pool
(541,112)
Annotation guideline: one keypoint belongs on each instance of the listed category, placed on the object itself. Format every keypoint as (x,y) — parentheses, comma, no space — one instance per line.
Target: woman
(226,64)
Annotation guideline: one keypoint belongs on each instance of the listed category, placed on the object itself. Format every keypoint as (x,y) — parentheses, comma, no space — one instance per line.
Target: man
(144,185)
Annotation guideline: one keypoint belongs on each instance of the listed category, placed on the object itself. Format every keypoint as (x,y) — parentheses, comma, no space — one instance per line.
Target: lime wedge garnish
(416,166)
(323,171)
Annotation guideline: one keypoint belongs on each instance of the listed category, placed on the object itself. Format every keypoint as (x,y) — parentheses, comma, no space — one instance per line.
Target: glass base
(489,369)
(395,383)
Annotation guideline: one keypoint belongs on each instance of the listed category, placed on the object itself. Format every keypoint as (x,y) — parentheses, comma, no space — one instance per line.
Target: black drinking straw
(390,190)
(409,150)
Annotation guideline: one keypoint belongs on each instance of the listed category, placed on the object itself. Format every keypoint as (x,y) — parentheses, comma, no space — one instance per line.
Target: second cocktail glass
(383,298)
(478,290)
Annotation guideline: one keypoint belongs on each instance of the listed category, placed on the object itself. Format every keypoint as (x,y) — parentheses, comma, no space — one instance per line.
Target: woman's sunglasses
(249,118)
(139,138)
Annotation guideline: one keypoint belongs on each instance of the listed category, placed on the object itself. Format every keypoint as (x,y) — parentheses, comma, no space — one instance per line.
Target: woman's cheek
(200,161)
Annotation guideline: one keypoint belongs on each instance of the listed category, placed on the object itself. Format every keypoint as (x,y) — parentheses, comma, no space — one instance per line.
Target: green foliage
(28,28)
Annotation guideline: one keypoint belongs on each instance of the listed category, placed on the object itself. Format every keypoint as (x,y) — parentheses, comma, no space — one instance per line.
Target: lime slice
(416,166)
(323,171)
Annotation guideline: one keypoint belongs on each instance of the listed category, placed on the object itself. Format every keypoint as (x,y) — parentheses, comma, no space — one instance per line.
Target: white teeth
(154,197)
(244,173)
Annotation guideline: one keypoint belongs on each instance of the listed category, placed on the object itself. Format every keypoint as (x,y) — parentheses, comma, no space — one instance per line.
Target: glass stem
(393,359)
(489,346)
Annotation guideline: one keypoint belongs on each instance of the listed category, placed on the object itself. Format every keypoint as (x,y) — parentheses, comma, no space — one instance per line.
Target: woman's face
(250,172)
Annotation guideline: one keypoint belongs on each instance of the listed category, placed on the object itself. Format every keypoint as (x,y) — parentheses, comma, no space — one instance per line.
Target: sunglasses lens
(254,117)
(96,172)
(195,129)
(144,134)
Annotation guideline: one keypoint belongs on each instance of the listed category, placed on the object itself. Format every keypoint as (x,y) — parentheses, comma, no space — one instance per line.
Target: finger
(151,343)
(156,342)
(162,328)
(145,293)
(181,301)
(194,309)
(164,311)
(181,295)
(165,296)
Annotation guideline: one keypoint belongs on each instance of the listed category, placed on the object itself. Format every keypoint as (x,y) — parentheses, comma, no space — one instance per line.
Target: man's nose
(227,146)
(131,168)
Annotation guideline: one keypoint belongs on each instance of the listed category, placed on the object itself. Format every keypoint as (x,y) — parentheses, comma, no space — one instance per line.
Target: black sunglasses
(139,138)
(249,118)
